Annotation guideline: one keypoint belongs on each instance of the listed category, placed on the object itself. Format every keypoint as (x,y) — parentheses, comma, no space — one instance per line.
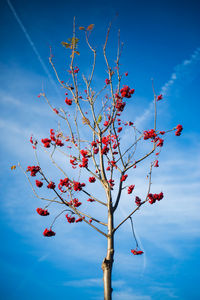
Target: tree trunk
(107,270)
(108,260)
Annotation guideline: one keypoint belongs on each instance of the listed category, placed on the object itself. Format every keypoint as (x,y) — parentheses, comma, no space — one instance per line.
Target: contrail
(33,46)
(180,71)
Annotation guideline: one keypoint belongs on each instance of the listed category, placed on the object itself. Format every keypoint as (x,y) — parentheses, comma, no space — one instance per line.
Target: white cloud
(180,70)
(92,282)
(89,282)
(8,99)
(121,291)
(145,116)
(180,73)
(129,294)
(165,290)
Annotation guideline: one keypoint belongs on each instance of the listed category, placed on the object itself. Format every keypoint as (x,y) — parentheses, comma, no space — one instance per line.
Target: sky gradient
(161,41)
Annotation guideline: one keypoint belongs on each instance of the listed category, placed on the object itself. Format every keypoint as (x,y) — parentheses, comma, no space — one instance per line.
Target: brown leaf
(66,45)
(90,27)
(81,28)
(13,167)
(85,121)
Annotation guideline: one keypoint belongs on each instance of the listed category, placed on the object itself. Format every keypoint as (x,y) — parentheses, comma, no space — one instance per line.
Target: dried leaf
(74,41)
(78,53)
(81,28)
(85,121)
(90,27)
(99,119)
(13,167)
(66,45)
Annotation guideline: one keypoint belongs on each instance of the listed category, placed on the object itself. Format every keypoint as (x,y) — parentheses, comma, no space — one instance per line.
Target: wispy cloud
(145,116)
(84,282)
(92,282)
(129,294)
(33,46)
(181,70)
(121,290)
(9,99)
(165,291)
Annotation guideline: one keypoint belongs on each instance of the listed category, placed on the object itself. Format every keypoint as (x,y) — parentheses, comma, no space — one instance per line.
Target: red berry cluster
(42,212)
(48,232)
(78,186)
(68,101)
(76,70)
(111,182)
(160,142)
(156,164)
(94,145)
(92,179)
(154,197)
(56,111)
(90,200)
(150,134)
(84,163)
(51,185)
(33,170)
(124,178)
(70,219)
(105,150)
(64,182)
(136,252)
(119,103)
(179,129)
(131,188)
(107,81)
(73,162)
(107,140)
(79,219)
(160,97)
(75,202)
(33,142)
(47,142)
(55,138)
(39,183)
(138,201)
(126,92)
(85,155)
(112,163)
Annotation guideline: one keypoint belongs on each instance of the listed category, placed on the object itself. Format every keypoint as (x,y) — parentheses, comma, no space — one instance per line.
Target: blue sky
(161,41)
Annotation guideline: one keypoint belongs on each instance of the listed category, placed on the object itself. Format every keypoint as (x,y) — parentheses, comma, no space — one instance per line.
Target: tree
(99,154)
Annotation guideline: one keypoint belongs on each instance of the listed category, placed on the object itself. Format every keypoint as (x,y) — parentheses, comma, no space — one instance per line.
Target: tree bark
(108,260)
(107,270)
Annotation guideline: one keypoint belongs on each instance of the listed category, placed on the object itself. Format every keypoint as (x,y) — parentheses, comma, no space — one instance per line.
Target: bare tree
(100,154)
